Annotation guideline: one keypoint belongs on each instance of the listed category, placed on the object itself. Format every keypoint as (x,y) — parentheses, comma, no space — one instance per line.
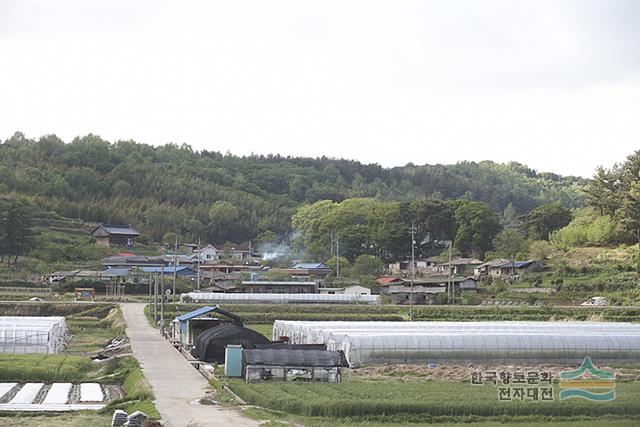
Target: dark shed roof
(295,358)
(115,229)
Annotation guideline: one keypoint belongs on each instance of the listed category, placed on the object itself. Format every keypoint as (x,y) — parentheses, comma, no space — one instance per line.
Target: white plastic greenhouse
(412,342)
(281,298)
(25,334)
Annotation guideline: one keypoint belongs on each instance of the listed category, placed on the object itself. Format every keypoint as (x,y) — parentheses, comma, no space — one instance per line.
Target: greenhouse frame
(418,342)
(27,334)
(218,297)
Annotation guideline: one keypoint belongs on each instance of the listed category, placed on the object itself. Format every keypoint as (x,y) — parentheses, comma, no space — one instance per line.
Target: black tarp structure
(295,358)
(287,346)
(211,344)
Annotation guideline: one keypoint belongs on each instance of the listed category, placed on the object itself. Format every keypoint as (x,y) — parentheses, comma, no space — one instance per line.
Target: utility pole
(198,259)
(175,269)
(638,256)
(413,269)
(337,256)
(449,281)
(155,298)
(331,242)
(162,300)
(150,280)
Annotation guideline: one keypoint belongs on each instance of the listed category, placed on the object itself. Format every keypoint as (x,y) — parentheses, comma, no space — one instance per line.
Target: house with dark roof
(310,269)
(279,287)
(425,290)
(459,266)
(115,235)
(506,268)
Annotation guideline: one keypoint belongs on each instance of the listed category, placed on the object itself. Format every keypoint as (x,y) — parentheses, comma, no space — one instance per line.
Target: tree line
(366,226)
(221,197)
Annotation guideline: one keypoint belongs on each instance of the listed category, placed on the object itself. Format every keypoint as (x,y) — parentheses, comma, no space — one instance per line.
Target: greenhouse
(419,342)
(215,297)
(24,334)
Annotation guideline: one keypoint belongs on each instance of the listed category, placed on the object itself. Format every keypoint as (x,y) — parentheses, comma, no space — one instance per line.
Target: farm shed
(509,342)
(285,364)
(26,334)
(210,345)
(190,325)
(279,298)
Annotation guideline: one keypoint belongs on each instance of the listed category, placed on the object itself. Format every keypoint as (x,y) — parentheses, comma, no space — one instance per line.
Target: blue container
(233,360)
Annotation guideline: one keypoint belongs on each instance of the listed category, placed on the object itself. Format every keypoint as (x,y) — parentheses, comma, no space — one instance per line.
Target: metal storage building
(215,297)
(413,342)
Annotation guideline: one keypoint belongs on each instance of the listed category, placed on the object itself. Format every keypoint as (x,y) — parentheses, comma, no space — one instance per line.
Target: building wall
(275,289)
(419,298)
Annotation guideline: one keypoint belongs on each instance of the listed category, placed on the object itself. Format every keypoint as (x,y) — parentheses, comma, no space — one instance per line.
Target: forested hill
(225,197)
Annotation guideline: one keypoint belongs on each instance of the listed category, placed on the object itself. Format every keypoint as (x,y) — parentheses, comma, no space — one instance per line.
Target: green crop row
(362,399)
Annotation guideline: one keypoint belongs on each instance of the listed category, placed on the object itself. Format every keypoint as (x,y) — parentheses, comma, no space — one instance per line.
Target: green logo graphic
(588,382)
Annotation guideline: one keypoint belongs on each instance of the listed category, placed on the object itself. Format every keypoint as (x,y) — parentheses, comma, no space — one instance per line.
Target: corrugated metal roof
(116,272)
(309,266)
(195,313)
(166,270)
(120,229)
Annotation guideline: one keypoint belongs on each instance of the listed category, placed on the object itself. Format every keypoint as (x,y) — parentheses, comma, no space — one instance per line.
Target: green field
(91,327)
(267,313)
(411,400)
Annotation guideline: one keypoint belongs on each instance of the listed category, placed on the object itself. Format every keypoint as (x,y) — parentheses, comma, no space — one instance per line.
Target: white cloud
(553,84)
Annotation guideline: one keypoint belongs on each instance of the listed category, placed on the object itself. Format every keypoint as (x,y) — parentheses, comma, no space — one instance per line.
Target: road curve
(174,382)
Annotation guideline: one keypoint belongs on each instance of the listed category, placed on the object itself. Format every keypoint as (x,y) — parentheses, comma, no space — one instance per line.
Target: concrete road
(174,382)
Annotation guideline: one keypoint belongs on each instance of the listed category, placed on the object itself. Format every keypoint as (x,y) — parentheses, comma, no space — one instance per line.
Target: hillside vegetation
(225,197)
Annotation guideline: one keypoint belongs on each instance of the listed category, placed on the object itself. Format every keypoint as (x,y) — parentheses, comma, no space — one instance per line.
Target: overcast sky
(553,84)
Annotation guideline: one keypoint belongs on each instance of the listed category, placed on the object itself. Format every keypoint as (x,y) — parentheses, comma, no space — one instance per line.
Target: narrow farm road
(174,382)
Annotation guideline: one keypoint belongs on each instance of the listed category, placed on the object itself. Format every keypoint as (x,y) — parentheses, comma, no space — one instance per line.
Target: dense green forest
(221,197)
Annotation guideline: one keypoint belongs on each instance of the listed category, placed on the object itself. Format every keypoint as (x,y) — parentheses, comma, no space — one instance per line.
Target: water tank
(233,360)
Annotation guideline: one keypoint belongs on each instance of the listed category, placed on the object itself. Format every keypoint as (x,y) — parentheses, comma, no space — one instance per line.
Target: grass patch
(264,329)
(92,329)
(76,419)
(138,395)
(45,367)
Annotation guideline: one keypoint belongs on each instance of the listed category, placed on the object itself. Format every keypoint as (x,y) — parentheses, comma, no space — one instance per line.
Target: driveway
(174,382)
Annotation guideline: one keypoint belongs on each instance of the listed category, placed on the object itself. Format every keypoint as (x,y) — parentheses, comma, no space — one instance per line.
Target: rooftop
(310,266)
(120,229)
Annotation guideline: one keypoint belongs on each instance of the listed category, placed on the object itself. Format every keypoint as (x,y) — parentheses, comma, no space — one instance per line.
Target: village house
(310,270)
(236,252)
(423,267)
(386,280)
(278,287)
(169,270)
(459,266)
(208,253)
(230,266)
(114,235)
(346,290)
(425,290)
(505,268)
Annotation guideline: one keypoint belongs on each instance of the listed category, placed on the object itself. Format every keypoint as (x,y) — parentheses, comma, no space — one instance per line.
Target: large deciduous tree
(541,221)
(477,225)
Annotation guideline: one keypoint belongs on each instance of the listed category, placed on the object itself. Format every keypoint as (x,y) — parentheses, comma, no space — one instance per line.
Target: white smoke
(272,251)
